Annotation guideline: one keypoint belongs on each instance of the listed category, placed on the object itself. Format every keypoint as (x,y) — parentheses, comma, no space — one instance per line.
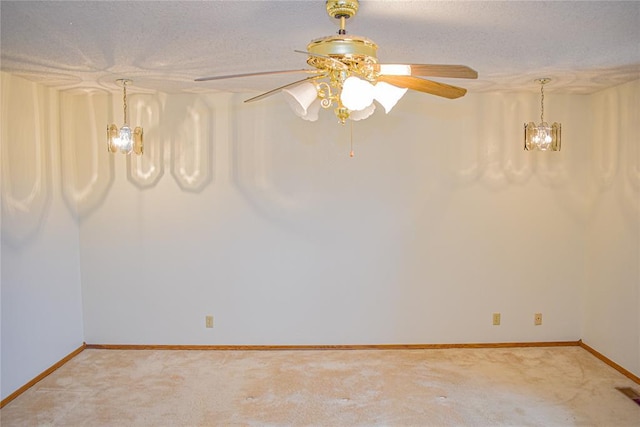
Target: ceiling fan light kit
(542,137)
(347,76)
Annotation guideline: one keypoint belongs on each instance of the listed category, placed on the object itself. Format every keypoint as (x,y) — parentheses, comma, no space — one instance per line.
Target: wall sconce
(542,137)
(124,140)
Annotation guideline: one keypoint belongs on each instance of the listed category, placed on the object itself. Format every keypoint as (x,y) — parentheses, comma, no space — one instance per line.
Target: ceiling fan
(346,74)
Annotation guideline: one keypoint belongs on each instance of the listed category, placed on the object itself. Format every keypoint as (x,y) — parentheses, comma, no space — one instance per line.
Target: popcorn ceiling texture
(164,46)
(559,386)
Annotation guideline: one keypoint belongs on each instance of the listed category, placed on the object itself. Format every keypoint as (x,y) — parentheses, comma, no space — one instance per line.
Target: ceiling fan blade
(428,70)
(278,89)
(335,61)
(422,85)
(259,73)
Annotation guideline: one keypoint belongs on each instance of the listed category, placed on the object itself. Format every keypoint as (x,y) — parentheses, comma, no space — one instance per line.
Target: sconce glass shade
(542,137)
(113,137)
(300,98)
(357,94)
(388,95)
(138,142)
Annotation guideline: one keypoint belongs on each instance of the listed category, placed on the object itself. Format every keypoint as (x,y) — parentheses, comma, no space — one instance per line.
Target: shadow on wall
(26,157)
(492,153)
(183,123)
(498,158)
(188,124)
(86,168)
(287,167)
(616,147)
(42,127)
(300,175)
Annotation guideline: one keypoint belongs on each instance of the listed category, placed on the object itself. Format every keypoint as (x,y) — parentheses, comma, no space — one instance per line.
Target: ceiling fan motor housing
(358,54)
(341,46)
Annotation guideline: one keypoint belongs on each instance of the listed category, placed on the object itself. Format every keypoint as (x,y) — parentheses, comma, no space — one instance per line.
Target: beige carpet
(560,386)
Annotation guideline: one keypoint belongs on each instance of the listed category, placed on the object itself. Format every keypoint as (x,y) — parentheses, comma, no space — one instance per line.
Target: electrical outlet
(496,319)
(208,322)
(537,319)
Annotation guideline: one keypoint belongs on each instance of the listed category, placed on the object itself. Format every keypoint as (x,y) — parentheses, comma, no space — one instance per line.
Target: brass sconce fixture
(124,139)
(542,137)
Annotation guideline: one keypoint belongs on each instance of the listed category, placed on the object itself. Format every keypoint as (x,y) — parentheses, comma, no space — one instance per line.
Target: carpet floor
(554,386)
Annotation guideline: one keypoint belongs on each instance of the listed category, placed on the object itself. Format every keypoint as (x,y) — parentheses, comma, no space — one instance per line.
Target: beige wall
(611,316)
(246,212)
(40,295)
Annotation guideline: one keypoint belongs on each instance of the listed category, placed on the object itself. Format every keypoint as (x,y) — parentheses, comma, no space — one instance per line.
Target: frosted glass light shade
(542,137)
(357,94)
(301,97)
(312,111)
(388,95)
(362,114)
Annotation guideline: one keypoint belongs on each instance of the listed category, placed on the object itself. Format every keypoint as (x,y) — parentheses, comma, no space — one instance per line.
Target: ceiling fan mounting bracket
(342,8)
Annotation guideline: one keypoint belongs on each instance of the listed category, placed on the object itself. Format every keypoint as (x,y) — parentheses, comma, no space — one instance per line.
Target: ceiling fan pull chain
(351,153)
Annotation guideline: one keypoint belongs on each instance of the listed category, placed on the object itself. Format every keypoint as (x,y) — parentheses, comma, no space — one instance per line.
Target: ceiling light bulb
(542,136)
(357,94)
(395,69)
(124,142)
(388,95)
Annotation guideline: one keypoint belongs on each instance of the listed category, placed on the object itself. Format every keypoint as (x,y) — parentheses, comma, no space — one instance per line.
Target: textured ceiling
(583,46)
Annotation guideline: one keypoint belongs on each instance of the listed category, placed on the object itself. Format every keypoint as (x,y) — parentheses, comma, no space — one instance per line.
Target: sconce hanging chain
(124,100)
(542,103)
